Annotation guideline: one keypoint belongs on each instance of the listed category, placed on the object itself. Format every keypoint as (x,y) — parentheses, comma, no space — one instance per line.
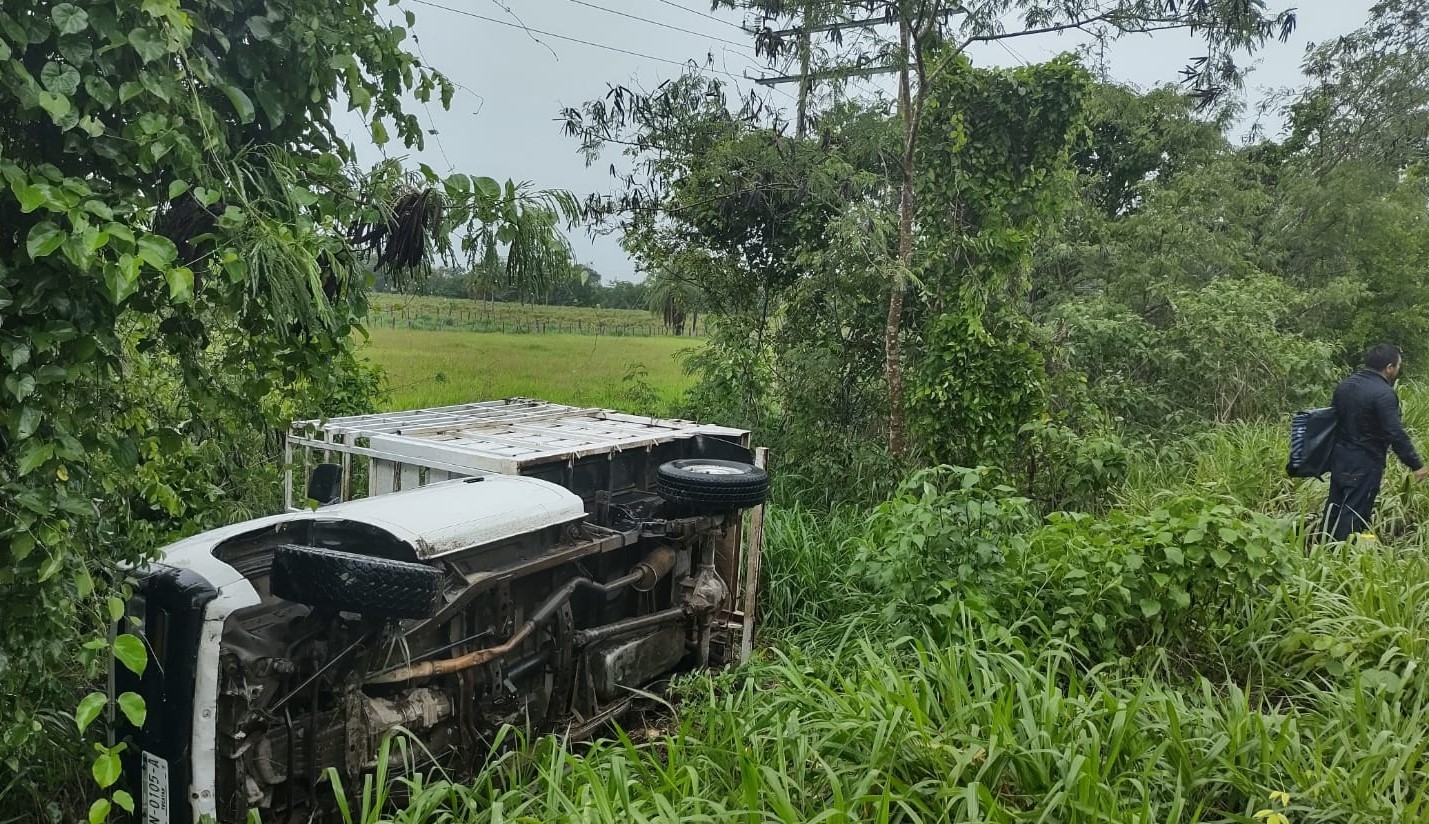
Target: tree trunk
(892,348)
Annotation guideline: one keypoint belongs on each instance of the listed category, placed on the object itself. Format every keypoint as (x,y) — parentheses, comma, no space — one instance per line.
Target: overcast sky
(514,82)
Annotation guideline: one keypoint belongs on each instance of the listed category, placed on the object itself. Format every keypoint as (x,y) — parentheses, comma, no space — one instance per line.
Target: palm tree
(676,300)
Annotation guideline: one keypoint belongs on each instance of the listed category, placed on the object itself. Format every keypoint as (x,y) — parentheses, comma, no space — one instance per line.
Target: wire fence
(480,319)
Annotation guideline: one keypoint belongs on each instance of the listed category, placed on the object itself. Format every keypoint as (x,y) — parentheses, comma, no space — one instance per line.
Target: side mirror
(325,484)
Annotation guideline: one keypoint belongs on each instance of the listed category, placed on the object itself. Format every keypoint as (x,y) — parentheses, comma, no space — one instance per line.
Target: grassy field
(435,313)
(438,368)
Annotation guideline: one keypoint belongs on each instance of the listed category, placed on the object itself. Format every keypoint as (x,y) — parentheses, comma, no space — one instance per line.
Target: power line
(1019,58)
(657,23)
(680,63)
(432,120)
(517,18)
(702,14)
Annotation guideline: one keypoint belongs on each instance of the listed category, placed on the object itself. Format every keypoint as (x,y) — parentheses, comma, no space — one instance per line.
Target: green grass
(438,368)
(971,729)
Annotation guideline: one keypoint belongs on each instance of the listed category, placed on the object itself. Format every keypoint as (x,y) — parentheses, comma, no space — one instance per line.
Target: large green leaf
(129,651)
(106,768)
(89,710)
(51,567)
(27,420)
(270,99)
(56,104)
(94,239)
(13,29)
(69,18)
(33,196)
(100,89)
(59,79)
(124,800)
(181,283)
(157,251)
(132,705)
(18,356)
(241,103)
(51,373)
(44,238)
(122,278)
(76,49)
(160,8)
(33,455)
(21,545)
(147,44)
(487,187)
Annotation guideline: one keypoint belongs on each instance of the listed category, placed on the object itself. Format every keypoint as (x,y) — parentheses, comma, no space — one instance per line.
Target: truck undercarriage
(445,611)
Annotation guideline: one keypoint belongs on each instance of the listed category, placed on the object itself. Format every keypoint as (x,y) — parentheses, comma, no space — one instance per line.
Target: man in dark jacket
(1367,426)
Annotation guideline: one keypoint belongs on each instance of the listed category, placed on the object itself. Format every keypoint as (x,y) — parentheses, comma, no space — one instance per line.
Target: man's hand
(1421,473)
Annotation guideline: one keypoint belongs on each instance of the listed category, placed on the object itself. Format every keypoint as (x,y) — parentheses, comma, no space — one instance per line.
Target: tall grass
(978,730)
(1247,461)
(1304,696)
(804,580)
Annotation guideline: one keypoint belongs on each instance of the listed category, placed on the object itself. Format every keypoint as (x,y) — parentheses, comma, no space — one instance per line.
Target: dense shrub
(1112,584)
(1065,470)
(1225,352)
(942,539)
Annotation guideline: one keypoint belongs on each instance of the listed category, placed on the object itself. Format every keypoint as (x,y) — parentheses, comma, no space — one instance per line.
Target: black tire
(355,583)
(710,485)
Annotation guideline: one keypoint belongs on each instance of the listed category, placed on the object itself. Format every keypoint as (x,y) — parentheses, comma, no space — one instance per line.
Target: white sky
(503,122)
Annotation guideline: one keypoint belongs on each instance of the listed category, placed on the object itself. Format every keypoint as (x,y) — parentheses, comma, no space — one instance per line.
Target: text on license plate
(156,790)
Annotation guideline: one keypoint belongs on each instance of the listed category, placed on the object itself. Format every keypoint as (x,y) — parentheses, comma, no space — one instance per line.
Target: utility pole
(910,108)
(806,41)
(808,79)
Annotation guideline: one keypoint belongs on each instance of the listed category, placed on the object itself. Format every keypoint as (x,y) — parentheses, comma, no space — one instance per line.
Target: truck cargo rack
(582,448)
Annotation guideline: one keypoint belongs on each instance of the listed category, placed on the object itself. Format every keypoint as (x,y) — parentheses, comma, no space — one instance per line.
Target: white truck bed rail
(508,437)
(397,451)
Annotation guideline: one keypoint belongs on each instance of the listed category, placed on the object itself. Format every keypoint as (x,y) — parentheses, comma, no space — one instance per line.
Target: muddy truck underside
(284,650)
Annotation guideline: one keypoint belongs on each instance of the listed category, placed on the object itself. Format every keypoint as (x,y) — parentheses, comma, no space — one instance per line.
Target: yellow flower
(1280,797)
(1272,817)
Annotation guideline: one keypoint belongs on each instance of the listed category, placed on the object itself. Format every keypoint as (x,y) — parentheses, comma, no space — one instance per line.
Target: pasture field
(393,311)
(439,368)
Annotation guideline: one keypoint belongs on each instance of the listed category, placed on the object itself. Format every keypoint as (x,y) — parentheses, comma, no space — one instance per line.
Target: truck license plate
(156,790)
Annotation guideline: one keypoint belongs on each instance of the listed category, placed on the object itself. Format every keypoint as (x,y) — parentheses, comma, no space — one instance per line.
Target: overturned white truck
(511,562)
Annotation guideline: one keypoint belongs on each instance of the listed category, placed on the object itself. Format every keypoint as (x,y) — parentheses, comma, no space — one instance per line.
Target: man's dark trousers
(1354,484)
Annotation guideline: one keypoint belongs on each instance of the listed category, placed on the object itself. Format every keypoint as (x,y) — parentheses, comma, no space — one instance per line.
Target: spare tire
(711,485)
(355,583)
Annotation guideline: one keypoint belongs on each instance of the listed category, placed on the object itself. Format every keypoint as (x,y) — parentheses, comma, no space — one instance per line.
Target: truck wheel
(712,485)
(355,583)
